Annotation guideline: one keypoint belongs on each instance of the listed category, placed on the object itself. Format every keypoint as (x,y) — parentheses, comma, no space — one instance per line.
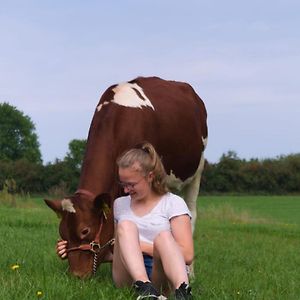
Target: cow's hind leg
(191,192)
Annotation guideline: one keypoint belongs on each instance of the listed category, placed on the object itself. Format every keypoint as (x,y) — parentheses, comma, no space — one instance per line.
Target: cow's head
(83,220)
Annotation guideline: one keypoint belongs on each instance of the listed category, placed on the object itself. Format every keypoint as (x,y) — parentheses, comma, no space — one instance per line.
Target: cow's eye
(85,232)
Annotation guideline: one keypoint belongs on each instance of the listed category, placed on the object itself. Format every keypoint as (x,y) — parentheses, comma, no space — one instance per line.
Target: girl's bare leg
(128,262)
(168,254)
(159,277)
(121,276)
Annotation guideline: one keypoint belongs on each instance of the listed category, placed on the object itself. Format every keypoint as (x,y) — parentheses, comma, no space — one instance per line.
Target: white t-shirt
(157,220)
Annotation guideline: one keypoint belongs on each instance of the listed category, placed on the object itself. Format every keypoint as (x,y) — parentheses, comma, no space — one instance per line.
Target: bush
(271,176)
(27,175)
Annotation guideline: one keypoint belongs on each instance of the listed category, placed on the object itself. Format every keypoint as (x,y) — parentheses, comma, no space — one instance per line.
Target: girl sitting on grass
(152,228)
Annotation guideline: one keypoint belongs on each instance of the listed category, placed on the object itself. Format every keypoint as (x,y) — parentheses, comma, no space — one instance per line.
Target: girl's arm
(146,248)
(181,228)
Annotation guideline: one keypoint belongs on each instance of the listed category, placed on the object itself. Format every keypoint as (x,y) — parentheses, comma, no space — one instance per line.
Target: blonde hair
(149,161)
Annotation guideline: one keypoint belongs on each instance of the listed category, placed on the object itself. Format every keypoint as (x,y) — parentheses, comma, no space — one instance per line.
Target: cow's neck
(98,174)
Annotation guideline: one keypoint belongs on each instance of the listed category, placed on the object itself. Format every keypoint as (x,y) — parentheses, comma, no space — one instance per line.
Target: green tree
(73,160)
(62,176)
(18,139)
(28,176)
(76,153)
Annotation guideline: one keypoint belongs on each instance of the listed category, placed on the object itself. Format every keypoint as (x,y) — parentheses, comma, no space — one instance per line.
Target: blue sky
(242,58)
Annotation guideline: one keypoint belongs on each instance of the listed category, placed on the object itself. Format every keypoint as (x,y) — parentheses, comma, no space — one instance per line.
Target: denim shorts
(148,261)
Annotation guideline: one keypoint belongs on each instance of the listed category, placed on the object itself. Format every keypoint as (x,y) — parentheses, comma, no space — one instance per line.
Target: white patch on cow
(126,95)
(175,183)
(68,205)
(204,142)
(101,105)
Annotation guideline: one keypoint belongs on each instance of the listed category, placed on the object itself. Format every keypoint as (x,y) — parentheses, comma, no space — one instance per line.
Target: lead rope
(96,242)
(95,263)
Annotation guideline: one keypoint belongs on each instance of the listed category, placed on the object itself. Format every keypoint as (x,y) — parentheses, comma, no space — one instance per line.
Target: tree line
(55,178)
(231,174)
(22,170)
(21,167)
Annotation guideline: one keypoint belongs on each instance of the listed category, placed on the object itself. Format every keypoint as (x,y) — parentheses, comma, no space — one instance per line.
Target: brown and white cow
(168,114)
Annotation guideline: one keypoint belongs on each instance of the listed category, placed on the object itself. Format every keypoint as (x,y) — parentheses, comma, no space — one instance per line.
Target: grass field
(246,248)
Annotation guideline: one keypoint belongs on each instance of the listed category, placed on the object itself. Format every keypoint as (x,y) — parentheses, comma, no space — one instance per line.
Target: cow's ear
(103,203)
(55,205)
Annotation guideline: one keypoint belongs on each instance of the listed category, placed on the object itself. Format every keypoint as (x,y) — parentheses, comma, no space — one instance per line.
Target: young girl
(153,229)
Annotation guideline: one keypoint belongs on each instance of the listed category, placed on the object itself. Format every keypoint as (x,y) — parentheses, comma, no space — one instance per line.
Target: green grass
(284,209)
(246,248)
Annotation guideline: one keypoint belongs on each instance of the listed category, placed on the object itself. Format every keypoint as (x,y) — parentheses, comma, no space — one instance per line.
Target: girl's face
(135,183)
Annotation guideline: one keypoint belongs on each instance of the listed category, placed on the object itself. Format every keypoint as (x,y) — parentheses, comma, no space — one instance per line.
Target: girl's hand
(61,249)
(146,248)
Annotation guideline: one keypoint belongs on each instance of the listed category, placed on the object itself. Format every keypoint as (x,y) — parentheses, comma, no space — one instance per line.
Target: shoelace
(183,290)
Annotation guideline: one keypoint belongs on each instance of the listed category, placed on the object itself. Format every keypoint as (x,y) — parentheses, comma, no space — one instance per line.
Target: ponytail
(149,161)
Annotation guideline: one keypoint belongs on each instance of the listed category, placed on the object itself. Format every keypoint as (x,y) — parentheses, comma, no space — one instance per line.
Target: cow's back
(168,114)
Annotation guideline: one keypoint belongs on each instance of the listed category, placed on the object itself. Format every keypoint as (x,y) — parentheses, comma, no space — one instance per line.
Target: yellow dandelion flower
(39,293)
(15,267)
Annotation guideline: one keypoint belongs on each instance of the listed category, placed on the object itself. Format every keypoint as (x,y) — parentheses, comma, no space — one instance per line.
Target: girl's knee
(163,237)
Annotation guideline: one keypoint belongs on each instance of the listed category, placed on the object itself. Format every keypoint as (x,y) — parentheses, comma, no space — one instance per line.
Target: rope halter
(95,247)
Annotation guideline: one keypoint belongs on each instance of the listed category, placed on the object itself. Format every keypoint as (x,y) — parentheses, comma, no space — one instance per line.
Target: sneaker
(183,292)
(145,290)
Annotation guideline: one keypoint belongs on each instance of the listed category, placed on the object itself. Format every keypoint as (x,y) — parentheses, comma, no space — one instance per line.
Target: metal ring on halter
(94,246)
